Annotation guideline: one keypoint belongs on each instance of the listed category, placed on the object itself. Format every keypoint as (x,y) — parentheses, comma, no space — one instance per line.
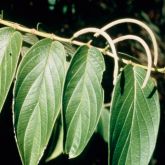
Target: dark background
(63,18)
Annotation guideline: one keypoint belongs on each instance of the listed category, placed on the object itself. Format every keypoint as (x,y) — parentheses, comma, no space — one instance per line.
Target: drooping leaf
(70,51)
(82,99)
(55,147)
(38,93)
(30,39)
(10,45)
(103,124)
(135,116)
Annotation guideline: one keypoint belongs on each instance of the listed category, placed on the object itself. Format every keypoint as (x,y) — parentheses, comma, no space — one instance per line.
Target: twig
(75,42)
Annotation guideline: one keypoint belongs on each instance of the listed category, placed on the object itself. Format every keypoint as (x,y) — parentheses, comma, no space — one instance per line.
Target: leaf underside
(135,115)
(38,95)
(82,99)
(10,45)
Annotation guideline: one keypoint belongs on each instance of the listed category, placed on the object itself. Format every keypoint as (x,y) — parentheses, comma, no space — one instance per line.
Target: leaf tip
(71,156)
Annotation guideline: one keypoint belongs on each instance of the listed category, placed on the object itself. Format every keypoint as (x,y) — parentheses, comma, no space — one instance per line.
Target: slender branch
(33,31)
(75,42)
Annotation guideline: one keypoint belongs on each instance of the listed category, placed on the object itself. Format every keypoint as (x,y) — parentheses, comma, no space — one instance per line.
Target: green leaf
(38,95)
(135,115)
(103,125)
(55,147)
(30,39)
(70,49)
(10,45)
(82,99)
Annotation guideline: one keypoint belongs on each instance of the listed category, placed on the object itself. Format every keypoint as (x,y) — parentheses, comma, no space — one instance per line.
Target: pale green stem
(141,24)
(75,42)
(148,52)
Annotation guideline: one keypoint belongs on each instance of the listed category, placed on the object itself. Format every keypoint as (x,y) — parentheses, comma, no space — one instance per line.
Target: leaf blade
(55,147)
(134,118)
(38,94)
(10,46)
(103,125)
(82,99)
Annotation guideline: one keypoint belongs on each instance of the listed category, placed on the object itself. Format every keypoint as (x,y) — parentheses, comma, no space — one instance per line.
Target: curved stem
(143,25)
(75,42)
(110,42)
(148,52)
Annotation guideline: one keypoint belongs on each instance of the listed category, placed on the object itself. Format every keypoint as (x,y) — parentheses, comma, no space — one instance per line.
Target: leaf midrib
(37,103)
(7,88)
(83,79)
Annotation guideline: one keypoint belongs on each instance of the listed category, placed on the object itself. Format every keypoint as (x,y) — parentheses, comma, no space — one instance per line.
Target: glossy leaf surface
(82,99)
(103,124)
(10,45)
(55,147)
(135,115)
(38,94)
